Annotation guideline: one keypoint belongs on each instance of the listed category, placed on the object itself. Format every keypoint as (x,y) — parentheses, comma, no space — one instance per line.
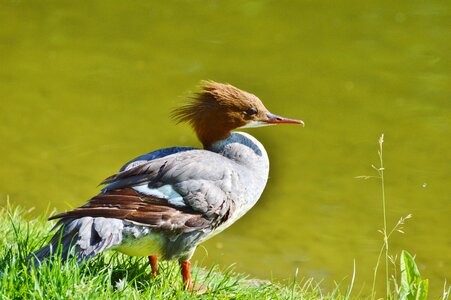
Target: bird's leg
(153,262)
(188,284)
(186,274)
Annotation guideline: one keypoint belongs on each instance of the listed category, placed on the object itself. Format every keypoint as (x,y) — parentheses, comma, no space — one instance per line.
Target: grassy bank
(115,276)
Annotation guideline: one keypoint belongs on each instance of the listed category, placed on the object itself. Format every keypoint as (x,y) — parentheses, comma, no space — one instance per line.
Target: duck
(163,204)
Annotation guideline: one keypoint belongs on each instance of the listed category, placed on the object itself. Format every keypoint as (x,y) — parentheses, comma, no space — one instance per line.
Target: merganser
(165,203)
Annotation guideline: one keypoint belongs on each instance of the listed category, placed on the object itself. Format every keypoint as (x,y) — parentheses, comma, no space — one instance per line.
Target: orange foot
(188,284)
(197,288)
(153,262)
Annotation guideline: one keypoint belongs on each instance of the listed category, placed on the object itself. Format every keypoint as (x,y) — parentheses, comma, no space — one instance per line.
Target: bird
(163,204)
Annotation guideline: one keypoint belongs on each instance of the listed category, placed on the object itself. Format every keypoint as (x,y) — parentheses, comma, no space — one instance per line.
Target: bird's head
(220,108)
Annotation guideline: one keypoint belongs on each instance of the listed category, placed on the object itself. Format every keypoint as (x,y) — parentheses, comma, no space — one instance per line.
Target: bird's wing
(153,155)
(128,204)
(180,192)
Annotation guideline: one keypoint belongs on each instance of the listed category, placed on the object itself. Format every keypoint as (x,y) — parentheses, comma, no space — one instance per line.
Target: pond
(85,86)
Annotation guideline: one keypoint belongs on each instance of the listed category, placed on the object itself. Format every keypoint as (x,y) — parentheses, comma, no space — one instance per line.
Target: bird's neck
(211,127)
(244,149)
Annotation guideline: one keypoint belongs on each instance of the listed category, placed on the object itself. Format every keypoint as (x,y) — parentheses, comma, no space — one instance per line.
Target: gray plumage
(85,236)
(166,202)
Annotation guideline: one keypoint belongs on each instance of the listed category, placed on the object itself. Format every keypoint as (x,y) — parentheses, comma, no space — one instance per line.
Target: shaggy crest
(214,95)
(217,109)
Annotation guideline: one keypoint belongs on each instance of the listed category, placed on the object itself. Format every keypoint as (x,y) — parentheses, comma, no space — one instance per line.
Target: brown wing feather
(128,204)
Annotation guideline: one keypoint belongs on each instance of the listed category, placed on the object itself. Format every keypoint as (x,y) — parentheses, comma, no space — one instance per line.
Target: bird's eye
(251,111)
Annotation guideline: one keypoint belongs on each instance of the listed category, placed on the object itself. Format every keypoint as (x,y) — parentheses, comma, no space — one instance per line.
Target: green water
(87,85)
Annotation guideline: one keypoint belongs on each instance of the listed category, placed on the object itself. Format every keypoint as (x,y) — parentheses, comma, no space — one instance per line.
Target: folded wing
(181,192)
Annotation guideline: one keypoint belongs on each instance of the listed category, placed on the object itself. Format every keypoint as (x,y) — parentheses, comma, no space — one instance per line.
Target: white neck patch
(253,124)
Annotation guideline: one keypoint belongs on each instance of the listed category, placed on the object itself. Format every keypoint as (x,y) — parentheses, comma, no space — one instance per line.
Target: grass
(408,284)
(115,276)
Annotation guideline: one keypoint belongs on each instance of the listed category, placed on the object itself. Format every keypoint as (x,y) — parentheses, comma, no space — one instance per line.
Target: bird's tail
(83,238)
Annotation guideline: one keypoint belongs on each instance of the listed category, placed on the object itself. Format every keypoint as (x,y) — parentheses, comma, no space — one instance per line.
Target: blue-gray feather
(154,155)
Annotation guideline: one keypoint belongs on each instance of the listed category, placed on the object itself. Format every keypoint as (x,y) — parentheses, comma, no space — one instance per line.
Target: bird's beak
(275,119)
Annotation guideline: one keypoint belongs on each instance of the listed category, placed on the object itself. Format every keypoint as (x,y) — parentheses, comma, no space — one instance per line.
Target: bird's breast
(141,241)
